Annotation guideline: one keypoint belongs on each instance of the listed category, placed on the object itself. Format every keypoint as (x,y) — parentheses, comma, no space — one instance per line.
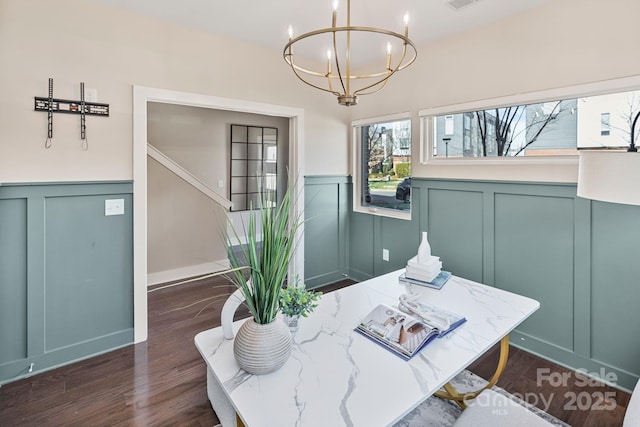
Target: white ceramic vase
(424,250)
(262,349)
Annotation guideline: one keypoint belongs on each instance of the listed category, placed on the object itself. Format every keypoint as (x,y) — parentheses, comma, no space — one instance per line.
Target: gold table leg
(239,422)
(451,393)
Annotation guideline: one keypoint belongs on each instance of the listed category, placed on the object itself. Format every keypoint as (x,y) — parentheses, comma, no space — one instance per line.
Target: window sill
(389,213)
(506,161)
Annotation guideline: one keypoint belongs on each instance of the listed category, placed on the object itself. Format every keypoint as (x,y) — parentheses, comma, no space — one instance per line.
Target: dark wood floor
(163,380)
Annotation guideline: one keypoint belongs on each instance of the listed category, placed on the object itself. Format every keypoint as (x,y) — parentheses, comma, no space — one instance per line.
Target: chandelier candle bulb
(406,24)
(388,56)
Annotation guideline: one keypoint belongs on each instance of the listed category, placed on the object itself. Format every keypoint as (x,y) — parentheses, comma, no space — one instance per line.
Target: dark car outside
(403,190)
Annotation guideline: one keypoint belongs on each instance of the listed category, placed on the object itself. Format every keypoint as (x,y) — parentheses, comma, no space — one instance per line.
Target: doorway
(141,97)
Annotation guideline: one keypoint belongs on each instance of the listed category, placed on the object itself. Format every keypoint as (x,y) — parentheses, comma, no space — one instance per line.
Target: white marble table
(336,377)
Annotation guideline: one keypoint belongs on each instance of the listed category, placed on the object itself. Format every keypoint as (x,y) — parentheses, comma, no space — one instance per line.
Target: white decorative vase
(262,349)
(424,250)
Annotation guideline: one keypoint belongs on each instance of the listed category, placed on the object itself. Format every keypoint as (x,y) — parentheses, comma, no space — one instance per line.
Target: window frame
(357,171)
(426,119)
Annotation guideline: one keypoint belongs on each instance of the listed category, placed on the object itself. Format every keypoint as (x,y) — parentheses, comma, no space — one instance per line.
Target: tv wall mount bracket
(52,105)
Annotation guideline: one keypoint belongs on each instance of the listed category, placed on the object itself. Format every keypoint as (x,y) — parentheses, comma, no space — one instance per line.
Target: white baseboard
(186,272)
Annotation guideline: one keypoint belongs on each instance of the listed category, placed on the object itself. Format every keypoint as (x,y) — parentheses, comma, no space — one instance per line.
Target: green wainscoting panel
(400,237)
(361,249)
(615,285)
(88,269)
(454,228)
(578,258)
(13,280)
(534,238)
(325,233)
(66,274)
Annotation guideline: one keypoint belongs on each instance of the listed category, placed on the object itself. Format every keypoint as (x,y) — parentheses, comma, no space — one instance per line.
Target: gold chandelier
(341,80)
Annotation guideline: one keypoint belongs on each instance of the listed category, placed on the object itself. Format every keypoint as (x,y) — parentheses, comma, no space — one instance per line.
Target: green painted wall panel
(455,230)
(66,274)
(323,236)
(13,280)
(88,269)
(615,285)
(400,238)
(534,257)
(361,254)
(578,258)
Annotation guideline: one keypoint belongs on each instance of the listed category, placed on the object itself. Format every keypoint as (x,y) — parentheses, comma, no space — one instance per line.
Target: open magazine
(405,334)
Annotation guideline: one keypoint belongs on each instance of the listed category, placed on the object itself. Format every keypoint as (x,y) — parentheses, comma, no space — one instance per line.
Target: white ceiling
(265,22)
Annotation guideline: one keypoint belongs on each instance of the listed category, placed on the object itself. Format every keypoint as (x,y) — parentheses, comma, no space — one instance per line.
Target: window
(382,166)
(253,165)
(605,124)
(533,130)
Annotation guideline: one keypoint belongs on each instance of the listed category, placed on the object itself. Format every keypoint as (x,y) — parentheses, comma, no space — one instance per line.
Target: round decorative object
(262,349)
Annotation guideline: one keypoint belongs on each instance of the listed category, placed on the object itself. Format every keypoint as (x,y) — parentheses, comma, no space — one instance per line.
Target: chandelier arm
(390,72)
(382,82)
(335,56)
(289,62)
(363,76)
(345,29)
(295,71)
(404,53)
(329,84)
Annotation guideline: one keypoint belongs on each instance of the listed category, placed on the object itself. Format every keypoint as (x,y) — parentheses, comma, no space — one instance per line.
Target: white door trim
(141,96)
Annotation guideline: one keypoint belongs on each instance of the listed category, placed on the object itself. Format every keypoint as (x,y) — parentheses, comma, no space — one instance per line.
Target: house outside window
(449,123)
(534,130)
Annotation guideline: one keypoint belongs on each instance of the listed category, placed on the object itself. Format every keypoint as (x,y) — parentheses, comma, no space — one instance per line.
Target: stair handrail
(187,176)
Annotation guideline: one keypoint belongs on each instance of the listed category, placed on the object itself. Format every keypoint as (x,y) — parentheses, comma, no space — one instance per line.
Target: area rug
(436,412)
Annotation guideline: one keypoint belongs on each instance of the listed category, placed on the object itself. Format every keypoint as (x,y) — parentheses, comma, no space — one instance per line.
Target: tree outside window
(385,162)
(548,128)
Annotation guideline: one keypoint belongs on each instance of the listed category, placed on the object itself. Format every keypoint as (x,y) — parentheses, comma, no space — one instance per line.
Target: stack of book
(426,271)
(428,274)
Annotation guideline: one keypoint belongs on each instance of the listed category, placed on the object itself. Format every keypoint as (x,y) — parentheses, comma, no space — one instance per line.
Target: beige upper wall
(111,51)
(565,43)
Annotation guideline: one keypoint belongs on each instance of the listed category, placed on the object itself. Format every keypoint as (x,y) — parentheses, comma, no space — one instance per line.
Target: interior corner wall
(111,50)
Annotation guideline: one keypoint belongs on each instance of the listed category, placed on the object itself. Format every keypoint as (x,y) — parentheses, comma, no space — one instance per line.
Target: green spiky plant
(267,266)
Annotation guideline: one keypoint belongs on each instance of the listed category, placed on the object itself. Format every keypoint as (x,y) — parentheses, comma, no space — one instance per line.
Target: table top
(337,377)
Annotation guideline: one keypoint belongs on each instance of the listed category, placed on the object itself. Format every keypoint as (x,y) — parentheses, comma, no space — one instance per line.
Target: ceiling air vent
(459,4)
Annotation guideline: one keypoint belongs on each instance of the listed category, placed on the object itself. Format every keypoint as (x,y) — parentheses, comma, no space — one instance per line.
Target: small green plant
(297,300)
